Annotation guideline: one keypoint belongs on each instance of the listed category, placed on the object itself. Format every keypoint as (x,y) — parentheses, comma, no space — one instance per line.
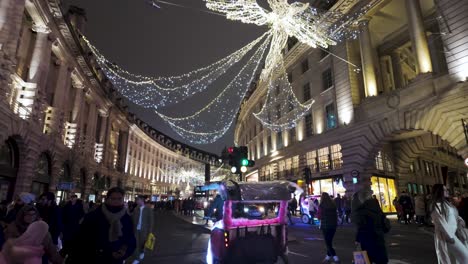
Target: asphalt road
(179,241)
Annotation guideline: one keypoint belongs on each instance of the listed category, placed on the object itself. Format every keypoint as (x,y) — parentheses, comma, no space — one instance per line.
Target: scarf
(115,228)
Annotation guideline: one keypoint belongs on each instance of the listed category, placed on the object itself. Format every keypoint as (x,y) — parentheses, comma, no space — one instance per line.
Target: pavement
(183,239)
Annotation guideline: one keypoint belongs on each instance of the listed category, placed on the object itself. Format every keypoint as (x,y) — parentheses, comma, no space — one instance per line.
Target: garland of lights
(278,112)
(298,20)
(151,92)
(190,128)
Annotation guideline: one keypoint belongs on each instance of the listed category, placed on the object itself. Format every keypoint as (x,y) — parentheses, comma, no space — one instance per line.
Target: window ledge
(327,90)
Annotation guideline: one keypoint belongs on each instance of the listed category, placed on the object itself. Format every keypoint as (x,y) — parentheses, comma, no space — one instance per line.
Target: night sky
(164,42)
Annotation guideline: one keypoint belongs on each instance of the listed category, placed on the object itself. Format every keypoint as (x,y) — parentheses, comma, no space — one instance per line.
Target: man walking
(73,212)
(142,226)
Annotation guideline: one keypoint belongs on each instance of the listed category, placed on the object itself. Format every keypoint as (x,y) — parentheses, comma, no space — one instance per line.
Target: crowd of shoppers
(35,231)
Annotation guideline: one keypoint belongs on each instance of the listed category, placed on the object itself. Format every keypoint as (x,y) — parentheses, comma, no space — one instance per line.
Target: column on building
(90,129)
(11,17)
(99,147)
(107,150)
(122,150)
(343,85)
(34,98)
(71,127)
(418,36)
(55,112)
(367,59)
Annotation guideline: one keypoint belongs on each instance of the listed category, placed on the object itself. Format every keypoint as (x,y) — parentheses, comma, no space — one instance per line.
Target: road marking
(294,253)
(313,238)
(395,261)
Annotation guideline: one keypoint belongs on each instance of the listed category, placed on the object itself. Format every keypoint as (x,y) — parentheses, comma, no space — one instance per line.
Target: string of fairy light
(307,24)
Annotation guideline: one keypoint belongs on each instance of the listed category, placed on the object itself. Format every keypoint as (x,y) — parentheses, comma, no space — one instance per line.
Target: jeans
(328,234)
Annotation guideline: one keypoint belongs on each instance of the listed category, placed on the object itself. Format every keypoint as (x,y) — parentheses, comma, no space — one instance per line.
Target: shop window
(311,160)
(295,162)
(331,116)
(336,156)
(308,125)
(385,191)
(323,157)
(327,79)
(281,165)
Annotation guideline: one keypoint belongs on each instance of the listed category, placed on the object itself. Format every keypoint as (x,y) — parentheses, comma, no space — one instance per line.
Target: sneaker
(136,262)
(142,255)
(326,259)
(336,259)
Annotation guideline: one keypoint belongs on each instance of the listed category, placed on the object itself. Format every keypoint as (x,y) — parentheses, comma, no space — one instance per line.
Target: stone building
(387,106)
(63,127)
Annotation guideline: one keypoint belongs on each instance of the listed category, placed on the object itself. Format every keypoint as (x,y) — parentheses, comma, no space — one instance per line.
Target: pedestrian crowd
(35,231)
(447,215)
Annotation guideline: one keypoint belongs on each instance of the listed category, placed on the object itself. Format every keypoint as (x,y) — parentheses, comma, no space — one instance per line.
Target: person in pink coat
(26,249)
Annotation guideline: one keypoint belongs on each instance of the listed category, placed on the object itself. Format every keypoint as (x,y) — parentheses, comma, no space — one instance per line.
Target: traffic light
(238,159)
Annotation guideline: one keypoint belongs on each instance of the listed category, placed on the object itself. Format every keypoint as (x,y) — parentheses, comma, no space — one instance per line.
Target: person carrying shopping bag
(143,219)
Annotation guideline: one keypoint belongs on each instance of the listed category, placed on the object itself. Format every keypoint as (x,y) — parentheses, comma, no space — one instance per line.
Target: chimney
(77,17)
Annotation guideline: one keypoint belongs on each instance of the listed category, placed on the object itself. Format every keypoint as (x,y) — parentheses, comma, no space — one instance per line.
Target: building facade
(387,106)
(63,127)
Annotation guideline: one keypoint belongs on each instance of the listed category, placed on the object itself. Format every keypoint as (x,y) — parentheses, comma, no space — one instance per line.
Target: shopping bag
(149,244)
(360,257)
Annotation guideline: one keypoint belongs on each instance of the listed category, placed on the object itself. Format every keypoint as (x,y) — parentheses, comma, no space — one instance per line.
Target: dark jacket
(92,245)
(217,204)
(72,215)
(368,218)
(52,215)
(328,216)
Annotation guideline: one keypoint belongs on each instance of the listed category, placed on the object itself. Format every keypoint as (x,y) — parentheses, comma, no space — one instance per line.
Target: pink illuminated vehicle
(253,228)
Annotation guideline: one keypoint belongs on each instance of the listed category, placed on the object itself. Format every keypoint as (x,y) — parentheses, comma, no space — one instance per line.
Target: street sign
(65,186)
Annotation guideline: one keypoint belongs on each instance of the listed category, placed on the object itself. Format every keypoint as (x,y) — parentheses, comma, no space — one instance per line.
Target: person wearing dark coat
(368,218)
(328,222)
(217,204)
(106,234)
(73,212)
(51,214)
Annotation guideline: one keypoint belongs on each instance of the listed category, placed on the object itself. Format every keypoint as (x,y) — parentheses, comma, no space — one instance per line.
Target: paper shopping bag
(360,257)
(149,244)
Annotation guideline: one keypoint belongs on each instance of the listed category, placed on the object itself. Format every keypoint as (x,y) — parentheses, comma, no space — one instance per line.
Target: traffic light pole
(240,176)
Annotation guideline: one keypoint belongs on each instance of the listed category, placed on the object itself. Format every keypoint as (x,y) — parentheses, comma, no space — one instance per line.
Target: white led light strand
(221,111)
(283,110)
(151,92)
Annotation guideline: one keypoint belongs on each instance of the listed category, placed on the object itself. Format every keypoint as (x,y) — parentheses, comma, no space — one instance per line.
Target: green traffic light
(244,162)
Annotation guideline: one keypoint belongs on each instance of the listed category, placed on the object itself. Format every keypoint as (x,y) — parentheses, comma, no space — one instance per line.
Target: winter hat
(27,198)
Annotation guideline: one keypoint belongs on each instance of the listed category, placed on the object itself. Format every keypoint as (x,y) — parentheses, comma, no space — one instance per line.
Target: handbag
(361,257)
(149,244)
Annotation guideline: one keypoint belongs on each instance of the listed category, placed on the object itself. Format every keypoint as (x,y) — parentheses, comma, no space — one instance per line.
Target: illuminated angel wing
(311,28)
(246,11)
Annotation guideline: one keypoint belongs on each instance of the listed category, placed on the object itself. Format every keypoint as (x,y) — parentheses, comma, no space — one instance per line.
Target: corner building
(392,122)
(63,127)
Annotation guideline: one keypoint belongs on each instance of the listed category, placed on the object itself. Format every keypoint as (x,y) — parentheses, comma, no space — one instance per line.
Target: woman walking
(449,228)
(328,222)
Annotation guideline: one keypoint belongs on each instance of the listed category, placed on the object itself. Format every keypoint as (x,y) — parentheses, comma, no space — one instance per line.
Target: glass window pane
(327,186)
(316,188)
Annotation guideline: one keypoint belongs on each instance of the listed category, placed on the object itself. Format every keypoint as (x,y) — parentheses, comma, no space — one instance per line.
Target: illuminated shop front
(385,191)
(332,186)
